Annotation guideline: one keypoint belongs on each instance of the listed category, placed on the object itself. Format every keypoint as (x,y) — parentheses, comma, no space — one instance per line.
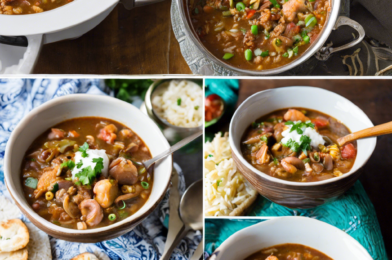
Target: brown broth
(333,131)
(88,126)
(226,34)
(288,251)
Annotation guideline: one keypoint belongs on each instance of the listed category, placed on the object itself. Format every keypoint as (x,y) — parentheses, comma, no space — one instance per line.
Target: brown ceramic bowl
(73,106)
(299,194)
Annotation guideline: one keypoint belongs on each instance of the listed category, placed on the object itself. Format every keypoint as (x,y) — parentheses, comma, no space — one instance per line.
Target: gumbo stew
(29,6)
(83,173)
(288,252)
(258,34)
(298,145)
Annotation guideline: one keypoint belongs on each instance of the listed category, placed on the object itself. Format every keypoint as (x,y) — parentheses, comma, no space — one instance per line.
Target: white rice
(187,114)
(233,189)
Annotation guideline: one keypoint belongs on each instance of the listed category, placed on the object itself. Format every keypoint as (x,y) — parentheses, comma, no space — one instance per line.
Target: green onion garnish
(124,205)
(145,185)
(31,182)
(142,170)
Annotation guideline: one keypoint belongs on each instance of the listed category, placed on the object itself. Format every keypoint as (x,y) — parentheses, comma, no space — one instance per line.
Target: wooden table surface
(140,41)
(374,97)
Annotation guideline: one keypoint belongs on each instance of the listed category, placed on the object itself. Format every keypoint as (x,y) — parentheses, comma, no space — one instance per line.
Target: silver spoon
(180,144)
(191,214)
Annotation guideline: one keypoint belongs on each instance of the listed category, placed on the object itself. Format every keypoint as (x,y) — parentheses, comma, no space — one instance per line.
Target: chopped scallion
(142,170)
(265,53)
(276,161)
(31,182)
(145,185)
(123,206)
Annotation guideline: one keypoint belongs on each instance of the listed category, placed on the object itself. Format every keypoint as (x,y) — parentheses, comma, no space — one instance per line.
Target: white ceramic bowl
(72,106)
(300,194)
(296,230)
(58,19)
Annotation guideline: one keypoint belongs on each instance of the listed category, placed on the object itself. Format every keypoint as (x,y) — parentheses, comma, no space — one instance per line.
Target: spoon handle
(167,254)
(369,132)
(180,144)
(198,252)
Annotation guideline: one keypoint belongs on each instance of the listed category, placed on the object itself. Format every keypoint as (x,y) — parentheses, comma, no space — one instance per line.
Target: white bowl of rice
(176,106)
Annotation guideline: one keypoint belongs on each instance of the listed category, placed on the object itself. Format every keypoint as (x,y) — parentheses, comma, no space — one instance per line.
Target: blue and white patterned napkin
(146,241)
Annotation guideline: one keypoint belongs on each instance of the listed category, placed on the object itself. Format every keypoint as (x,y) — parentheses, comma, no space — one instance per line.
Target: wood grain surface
(374,97)
(140,41)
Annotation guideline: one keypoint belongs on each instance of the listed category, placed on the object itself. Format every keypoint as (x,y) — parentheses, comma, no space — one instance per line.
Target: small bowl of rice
(176,105)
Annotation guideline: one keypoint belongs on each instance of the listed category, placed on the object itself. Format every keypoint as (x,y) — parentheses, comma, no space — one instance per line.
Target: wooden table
(140,41)
(374,97)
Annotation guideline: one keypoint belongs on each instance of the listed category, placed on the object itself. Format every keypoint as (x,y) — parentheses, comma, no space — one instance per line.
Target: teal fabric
(353,213)
(227,89)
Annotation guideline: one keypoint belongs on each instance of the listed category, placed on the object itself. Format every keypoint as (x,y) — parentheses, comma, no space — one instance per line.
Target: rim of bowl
(293,183)
(148,101)
(327,30)
(270,221)
(18,197)
(34,24)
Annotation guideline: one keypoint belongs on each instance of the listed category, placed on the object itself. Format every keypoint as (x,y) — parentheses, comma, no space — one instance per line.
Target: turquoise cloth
(353,213)
(227,89)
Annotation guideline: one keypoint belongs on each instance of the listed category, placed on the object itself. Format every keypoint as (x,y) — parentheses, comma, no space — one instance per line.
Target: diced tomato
(250,13)
(56,134)
(320,122)
(348,151)
(213,107)
(212,97)
(291,30)
(73,134)
(108,133)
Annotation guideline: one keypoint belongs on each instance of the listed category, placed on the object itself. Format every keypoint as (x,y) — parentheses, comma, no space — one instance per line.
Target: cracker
(85,256)
(21,254)
(14,235)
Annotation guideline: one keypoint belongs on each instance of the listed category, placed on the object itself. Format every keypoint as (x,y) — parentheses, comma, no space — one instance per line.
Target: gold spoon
(369,132)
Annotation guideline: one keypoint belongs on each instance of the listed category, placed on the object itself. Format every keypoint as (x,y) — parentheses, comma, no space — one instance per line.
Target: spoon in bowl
(191,214)
(368,132)
(147,164)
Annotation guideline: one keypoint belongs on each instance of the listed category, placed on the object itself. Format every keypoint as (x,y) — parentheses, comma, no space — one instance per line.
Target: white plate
(54,20)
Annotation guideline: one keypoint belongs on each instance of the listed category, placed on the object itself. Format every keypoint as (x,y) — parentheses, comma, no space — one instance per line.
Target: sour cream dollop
(88,161)
(315,137)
